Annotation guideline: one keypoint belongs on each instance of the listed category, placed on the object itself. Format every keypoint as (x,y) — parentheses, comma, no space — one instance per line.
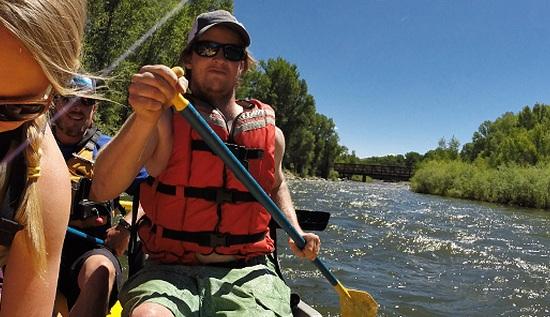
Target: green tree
(278,83)
(114,25)
(346,157)
(326,144)
(413,158)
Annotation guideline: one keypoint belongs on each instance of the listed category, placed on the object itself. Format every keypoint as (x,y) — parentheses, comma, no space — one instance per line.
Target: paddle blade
(116,310)
(356,303)
(310,220)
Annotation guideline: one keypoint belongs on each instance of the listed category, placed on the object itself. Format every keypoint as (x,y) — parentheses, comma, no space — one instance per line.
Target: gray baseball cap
(207,20)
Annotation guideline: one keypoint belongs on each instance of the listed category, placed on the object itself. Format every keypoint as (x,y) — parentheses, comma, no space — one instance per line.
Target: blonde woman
(40,44)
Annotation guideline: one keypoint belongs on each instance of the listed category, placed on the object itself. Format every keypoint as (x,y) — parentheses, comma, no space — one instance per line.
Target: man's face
(75,115)
(216,75)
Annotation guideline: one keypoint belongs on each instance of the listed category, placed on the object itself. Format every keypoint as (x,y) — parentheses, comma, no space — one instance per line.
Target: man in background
(90,274)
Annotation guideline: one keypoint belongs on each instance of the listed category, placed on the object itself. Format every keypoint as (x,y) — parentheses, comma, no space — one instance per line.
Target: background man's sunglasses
(25,109)
(73,100)
(231,52)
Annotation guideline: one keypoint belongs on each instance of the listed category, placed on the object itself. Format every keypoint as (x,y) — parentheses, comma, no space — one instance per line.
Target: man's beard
(72,130)
(214,98)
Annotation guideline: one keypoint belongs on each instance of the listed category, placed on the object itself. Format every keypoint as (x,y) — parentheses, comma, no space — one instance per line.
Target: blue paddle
(85,236)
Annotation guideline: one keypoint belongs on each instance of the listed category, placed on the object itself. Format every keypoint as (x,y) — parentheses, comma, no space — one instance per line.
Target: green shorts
(208,291)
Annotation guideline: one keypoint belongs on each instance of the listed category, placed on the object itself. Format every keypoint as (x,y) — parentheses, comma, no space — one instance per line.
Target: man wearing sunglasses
(206,236)
(90,274)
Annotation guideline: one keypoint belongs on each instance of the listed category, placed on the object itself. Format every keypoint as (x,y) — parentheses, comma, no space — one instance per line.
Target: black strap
(13,195)
(210,238)
(162,188)
(89,139)
(136,257)
(219,195)
(15,190)
(8,229)
(240,151)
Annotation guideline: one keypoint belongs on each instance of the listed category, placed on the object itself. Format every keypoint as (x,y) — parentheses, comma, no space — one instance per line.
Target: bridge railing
(374,170)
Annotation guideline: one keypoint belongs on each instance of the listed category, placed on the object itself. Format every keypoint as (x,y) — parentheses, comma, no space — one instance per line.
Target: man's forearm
(121,159)
(281,197)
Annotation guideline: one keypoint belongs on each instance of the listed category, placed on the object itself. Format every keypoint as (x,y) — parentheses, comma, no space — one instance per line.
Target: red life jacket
(197,205)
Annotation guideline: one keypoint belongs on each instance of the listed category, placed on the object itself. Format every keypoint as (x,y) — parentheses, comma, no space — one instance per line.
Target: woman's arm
(26,292)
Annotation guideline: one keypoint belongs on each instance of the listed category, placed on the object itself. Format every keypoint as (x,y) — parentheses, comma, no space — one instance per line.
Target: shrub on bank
(507,184)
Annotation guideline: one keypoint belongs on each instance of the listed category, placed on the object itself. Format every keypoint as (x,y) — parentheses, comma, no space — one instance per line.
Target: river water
(423,255)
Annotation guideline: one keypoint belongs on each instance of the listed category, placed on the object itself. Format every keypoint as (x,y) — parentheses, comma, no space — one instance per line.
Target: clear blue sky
(397,75)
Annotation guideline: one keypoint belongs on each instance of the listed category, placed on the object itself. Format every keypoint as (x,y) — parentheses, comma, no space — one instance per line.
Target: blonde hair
(52,31)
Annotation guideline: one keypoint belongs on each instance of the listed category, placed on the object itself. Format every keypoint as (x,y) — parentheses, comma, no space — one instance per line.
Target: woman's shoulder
(54,182)
(53,169)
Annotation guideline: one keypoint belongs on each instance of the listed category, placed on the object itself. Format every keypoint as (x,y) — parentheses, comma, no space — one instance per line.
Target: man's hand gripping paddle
(352,302)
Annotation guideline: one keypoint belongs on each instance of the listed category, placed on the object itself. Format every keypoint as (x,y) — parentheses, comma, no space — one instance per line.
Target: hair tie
(33,173)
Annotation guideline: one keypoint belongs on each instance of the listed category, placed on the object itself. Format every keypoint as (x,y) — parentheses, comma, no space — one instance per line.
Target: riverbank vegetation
(507,161)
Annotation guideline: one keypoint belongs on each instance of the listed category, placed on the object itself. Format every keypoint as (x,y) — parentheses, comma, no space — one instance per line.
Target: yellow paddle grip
(179,102)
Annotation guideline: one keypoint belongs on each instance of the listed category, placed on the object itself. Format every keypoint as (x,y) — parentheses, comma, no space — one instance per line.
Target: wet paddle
(312,220)
(85,236)
(352,302)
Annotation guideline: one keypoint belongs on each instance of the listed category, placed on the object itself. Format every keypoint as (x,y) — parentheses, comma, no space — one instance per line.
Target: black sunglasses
(75,99)
(25,109)
(231,52)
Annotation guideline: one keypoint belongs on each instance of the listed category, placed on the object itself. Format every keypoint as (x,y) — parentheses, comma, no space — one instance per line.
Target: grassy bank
(512,184)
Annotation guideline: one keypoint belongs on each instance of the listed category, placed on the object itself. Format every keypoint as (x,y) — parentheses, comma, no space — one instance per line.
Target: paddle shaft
(220,149)
(84,235)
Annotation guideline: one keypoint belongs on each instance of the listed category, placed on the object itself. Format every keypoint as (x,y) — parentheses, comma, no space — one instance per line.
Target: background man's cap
(219,17)
(83,83)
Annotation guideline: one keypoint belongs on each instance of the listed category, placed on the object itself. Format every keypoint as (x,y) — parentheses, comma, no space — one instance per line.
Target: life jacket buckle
(240,152)
(87,208)
(218,240)
(223,195)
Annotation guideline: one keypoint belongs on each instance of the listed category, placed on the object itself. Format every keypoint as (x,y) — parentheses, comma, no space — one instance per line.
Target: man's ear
(241,68)
(186,61)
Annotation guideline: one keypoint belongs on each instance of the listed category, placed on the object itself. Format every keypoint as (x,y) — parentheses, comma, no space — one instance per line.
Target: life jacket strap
(210,238)
(16,181)
(8,229)
(161,187)
(219,195)
(243,154)
(215,194)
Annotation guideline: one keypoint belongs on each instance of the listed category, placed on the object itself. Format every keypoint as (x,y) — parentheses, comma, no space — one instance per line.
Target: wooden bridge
(384,172)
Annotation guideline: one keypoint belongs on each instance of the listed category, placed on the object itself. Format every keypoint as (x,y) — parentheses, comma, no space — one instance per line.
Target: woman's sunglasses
(231,52)
(25,109)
